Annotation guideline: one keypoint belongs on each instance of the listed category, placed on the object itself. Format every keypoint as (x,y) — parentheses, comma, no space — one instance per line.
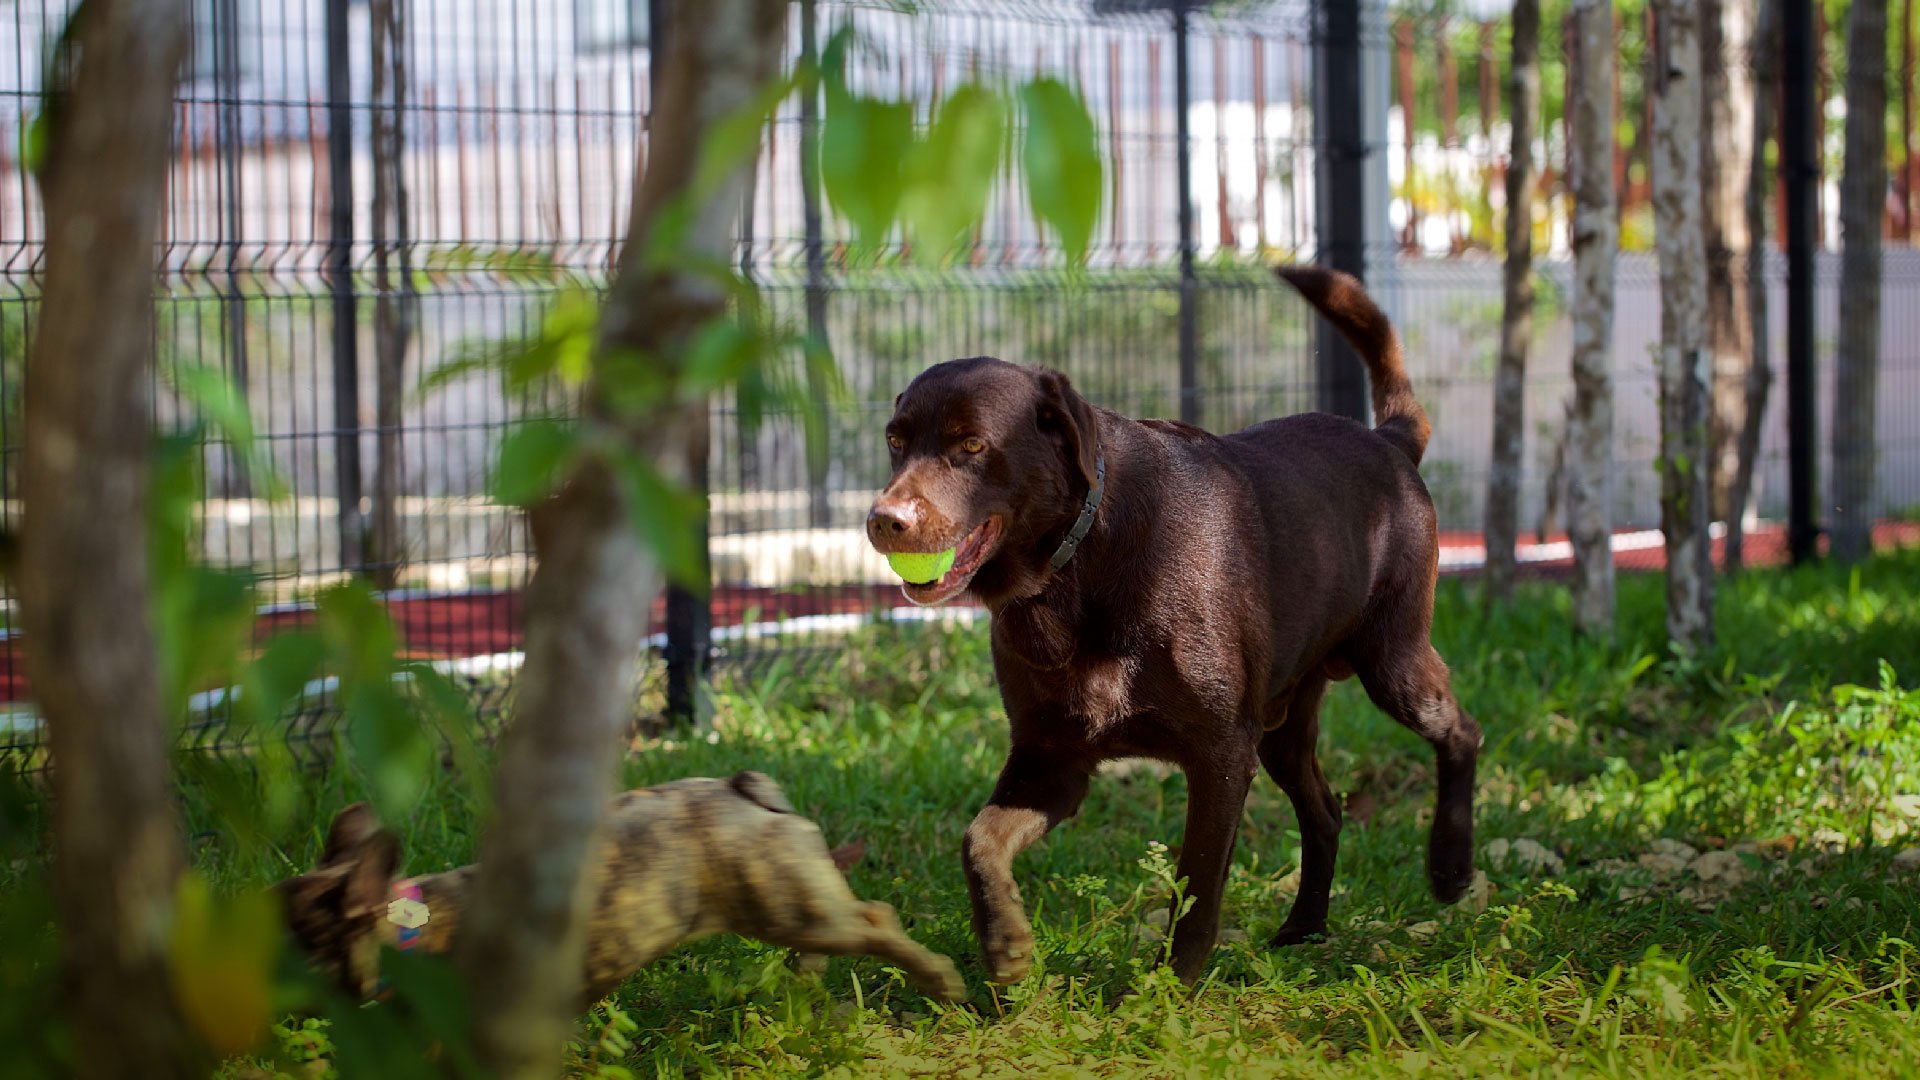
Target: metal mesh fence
(363,188)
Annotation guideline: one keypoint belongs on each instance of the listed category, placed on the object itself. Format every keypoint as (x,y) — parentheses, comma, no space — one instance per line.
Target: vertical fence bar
(227,74)
(1800,175)
(1340,175)
(819,507)
(1183,157)
(346,320)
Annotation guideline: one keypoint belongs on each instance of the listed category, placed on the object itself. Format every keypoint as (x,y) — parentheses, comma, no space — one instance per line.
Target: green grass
(1790,732)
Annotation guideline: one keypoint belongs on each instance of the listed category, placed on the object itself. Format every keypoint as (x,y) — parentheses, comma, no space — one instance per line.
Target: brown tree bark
(1863,195)
(1909,140)
(1516,319)
(83,568)
(394,302)
(588,600)
(1726,122)
(1404,76)
(1595,242)
(1765,56)
(1677,207)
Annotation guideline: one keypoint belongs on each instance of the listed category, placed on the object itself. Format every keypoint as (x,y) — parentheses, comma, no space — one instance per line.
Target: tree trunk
(83,572)
(1909,141)
(1726,121)
(1404,69)
(1764,54)
(1677,203)
(394,303)
(1595,242)
(1863,193)
(1516,319)
(587,603)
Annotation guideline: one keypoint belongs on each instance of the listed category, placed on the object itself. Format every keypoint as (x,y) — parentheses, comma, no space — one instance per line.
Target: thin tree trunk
(1677,207)
(1516,320)
(394,307)
(587,603)
(1909,141)
(1863,189)
(83,572)
(1595,242)
(1404,67)
(1726,127)
(1822,93)
(1765,59)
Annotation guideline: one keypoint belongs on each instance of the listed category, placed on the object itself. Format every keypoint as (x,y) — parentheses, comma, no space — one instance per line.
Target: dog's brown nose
(891,518)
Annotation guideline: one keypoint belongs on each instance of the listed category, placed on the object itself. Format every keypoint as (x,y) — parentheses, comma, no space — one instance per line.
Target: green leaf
(220,957)
(828,389)
(1062,162)
(450,711)
(275,682)
(533,458)
(388,745)
(359,635)
(864,143)
(735,139)
(667,517)
(951,174)
(224,409)
(203,621)
(720,353)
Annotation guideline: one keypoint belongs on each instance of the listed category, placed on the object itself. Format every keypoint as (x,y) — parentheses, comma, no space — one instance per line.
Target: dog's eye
(973,444)
(895,442)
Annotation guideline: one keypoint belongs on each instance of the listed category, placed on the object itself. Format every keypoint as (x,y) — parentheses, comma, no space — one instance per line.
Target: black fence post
(1799,173)
(1189,287)
(689,609)
(226,44)
(346,317)
(820,508)
(1340,219)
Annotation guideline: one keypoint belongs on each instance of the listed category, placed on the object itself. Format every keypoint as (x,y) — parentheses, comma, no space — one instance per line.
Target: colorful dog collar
(407,911)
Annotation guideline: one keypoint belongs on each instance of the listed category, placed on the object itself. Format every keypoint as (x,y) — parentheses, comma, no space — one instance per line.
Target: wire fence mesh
(364,188)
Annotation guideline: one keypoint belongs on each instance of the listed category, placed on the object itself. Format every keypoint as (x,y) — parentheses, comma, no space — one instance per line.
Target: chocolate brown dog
(1161,592)
(679,861)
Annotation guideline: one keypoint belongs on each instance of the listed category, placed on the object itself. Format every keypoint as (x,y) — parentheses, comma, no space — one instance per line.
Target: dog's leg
(1036,792)
(1216,794)
(1409,682)
(1291,754)
(855,928)
(798,899)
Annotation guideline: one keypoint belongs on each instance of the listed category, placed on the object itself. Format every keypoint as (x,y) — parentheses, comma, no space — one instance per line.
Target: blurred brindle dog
(677,862)
(1158,591)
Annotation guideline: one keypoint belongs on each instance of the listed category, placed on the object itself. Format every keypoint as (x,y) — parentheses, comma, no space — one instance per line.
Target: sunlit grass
(1791,734)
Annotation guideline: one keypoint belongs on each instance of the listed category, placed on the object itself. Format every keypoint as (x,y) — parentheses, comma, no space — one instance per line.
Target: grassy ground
(1613,950)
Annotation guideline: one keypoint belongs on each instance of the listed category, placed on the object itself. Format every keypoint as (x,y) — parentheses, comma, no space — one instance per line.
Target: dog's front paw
(1298,934)
(1006,945)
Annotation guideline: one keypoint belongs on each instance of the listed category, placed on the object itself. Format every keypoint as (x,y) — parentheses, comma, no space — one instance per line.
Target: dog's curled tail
(1344,302)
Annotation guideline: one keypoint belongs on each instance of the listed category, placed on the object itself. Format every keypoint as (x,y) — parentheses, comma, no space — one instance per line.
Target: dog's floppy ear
(370,878)
(351,828)
(1062,410)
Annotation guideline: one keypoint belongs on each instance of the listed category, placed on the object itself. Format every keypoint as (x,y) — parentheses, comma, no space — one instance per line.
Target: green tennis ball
(919,569)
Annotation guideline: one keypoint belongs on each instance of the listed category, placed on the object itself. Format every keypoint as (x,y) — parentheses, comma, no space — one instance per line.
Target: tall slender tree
(1726,127)
(1863,188)
(395,300)
(83,570)
(1680,236)
(1764,55)
(1516,320)
(587,605)
(1595,242)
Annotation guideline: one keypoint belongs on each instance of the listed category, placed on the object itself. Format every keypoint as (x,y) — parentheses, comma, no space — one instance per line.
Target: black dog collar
(1081,527)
